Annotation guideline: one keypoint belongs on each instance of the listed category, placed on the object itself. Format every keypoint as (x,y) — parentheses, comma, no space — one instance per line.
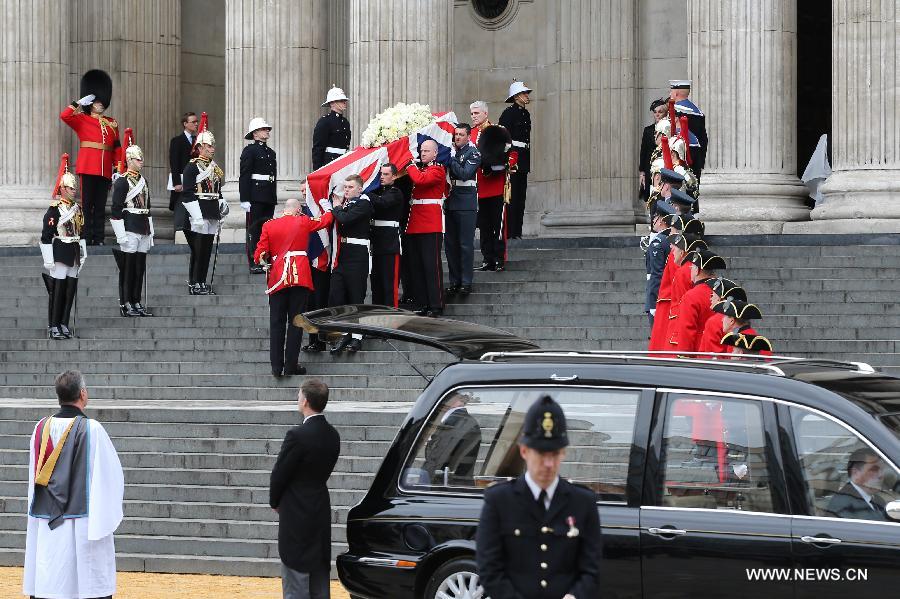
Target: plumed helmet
(663,126)
(676,144)
(134,152)
(206,137)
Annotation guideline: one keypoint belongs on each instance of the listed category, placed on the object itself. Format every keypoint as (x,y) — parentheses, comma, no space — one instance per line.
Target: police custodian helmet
(545,426)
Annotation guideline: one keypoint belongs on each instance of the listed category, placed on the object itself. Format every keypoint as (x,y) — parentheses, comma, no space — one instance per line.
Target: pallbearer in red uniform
(133,226)
(63,250)
(492,178)
(696,304)
(99,149)
(724,291)
(736,317)
(746,343)
(425,229)
(688,239)
(282,245)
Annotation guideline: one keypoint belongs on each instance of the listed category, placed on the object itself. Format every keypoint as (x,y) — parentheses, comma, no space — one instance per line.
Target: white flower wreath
(395,123)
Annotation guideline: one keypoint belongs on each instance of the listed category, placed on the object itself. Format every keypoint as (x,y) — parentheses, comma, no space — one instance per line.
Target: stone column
(338,46)
(399,52)
(863,193)
(742,58)
(275,66)
(33,90)
(139,45)
(594,117)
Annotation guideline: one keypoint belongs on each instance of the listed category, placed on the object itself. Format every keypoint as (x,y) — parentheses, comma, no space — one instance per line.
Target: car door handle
(561,378)
(664,532)
(819,540)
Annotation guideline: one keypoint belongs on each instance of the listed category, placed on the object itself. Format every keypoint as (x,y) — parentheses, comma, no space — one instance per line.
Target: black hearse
(723,478)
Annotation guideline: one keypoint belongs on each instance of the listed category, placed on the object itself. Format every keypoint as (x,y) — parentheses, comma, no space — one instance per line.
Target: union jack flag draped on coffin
(366,162)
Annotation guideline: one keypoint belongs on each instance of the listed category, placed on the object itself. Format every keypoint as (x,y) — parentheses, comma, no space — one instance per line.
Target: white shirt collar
(188,134)
(536,489)
(312,416)
(866,496)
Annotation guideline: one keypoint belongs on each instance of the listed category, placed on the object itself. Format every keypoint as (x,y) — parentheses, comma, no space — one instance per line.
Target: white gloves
(87,100)
(118,227)
(152,233)
(223,209)
(245,206)
(648,276)
(326,204)
(653,312)
(47,255)
(83,244)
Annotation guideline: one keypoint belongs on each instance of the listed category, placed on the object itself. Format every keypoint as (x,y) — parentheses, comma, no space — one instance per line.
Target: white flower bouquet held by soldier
(396,122)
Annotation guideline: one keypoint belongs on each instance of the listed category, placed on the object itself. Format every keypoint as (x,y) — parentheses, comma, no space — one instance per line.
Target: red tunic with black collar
(491,185)
(281,236)
(429,188)
(100,148)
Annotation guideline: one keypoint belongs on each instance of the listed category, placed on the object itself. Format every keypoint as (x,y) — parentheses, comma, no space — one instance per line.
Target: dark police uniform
(388,211)
(259,175)
(525,550)
(331,139)
(517,121)
(350,271)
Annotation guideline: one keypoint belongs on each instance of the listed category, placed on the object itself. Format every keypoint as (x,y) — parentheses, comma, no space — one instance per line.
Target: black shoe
(354,346)
(341,346)
(314,347)
(130,311)
(123,310)
(65,331)
(452,290)
(277,373)
(465,290)
(406,301)
(195,289)
(257,269)
(500,267)
(207,290)
(56,334)
(296,370)
(141,310)
(485,266)
(426,311)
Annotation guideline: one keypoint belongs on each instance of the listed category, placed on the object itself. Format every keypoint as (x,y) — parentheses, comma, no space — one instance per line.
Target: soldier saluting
(331,137)
(539,535)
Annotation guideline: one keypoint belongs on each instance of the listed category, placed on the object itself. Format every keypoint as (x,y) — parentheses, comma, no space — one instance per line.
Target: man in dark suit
(858,498)
(539,535)
(453,446)
(299,494)
(179,156)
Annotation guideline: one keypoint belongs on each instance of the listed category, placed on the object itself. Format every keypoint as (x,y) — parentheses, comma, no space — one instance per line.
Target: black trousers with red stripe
(426,268)
(385,279)
(491,229)
(94,190)
(284,305)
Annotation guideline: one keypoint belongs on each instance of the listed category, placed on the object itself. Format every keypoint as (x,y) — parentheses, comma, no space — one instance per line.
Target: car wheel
(456,579)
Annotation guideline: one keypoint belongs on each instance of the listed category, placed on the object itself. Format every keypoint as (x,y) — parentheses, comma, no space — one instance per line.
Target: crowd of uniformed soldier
(691,307)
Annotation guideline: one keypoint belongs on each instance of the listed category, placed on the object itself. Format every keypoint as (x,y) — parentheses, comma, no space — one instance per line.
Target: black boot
(59,304)
(354,346)
(140,268)
(71,293)
(316,344)
(341,346)
(129,262)
(119,257)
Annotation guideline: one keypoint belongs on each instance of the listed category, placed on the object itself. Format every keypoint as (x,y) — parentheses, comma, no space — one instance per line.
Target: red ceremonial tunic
(426,215)
(712,335)
(680,286)
(491,186)
(100,148)
(663,305)
(283,235)
(692,315)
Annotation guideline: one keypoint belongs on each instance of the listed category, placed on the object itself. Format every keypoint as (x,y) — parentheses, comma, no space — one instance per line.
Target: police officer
(352,262)
(461,212)
(539,535)
(388,207)
(517,121)
(656,256)
(331,137)
(256,185)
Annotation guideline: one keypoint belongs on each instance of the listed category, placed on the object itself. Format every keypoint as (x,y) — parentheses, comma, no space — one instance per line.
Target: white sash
(284,273)
(137,189)
(66,215)
(204,174)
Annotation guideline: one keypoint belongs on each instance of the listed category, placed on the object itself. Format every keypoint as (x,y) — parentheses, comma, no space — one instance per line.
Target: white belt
(330,150)
(207,196)
(470,183)
(437,201)
(69,238)
(136,210)
(386,223)
(257,177)
(284,273)
(355,241)
(521,144)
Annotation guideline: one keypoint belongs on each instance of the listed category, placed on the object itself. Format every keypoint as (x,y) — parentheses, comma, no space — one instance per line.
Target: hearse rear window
(470,439)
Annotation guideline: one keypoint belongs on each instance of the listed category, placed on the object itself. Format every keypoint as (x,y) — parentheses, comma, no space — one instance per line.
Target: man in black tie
(859,497)
(554,548)
(299,494)
(179,156)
